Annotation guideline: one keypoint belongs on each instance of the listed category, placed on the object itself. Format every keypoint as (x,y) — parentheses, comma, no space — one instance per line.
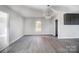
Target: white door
(4,38)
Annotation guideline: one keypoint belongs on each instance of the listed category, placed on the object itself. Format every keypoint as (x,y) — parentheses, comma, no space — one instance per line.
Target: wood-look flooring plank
(37,44)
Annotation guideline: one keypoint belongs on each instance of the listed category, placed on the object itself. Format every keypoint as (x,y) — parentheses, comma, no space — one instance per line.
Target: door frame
(56,28)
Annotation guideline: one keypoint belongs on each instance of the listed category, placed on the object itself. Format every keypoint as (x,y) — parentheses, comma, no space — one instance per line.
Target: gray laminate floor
(42,44)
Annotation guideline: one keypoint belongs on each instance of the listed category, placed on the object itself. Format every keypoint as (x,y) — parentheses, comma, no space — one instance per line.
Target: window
(38,26)
(71,19)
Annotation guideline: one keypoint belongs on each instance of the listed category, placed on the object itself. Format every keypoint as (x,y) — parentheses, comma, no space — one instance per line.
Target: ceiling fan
(49,12)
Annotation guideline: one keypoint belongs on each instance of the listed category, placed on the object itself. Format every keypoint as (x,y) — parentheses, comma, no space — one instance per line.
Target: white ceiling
(67,8)
(38,7)
(26,11)
(38,10)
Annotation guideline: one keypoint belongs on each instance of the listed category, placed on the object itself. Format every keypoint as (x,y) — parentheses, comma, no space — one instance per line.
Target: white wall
(47,26)
(15,26)
(4,39)
(66,31)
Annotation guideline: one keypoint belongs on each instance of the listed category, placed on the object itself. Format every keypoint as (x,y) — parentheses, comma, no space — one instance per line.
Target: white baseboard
(16,39)
(12,42)
(4,48)
(39,34)
(68,38)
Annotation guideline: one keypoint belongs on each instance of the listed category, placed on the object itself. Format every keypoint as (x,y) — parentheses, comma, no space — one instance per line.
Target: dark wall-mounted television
(71,19)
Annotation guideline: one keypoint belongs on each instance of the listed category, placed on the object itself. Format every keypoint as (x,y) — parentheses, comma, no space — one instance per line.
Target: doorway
(56,28)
